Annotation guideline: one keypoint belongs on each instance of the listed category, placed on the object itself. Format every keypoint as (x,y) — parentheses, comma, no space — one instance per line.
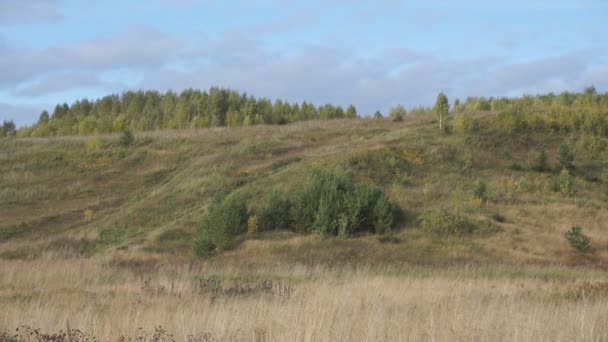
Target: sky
(373,54)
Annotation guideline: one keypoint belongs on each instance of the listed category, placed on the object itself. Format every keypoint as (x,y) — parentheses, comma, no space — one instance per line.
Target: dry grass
(113,298)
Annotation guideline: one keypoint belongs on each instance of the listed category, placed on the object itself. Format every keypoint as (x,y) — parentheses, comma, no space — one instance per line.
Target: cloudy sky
(374,54)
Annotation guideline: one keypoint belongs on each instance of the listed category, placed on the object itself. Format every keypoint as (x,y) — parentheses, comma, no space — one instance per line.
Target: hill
(85,196)
(97,232)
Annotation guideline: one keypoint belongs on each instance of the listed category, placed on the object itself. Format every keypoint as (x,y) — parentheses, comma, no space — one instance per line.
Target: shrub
(126,138)
(92,144)
(566,157)
(564,183)
(397,113)
(450,223)
(226,217)
(275,214)
(578,240)
(499,218)
(481,190)
(333,204)
(252,224)
(541,162)
(462,123)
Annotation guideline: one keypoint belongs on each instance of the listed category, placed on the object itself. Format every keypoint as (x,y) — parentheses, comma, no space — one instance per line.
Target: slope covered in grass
(472,196)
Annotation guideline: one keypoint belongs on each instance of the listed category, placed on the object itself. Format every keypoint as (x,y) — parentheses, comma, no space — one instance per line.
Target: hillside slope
(82,196)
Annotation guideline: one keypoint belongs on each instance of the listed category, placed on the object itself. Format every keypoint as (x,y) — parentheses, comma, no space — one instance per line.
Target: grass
(112,298)
(102,237)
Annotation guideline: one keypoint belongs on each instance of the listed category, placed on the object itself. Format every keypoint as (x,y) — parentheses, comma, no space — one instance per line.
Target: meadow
(96,237)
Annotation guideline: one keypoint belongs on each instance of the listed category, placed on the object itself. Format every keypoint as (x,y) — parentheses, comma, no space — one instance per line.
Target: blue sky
(374,54)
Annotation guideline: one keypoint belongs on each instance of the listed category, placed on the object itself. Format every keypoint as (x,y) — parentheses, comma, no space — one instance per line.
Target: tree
(578,240)
(397,113)
(541,162)
(8,128)
(442,108)
(566,157)
(378,115)
(351,112)
(44,117)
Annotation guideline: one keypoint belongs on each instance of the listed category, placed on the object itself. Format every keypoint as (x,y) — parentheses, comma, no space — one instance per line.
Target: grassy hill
(96,236)
(86,196)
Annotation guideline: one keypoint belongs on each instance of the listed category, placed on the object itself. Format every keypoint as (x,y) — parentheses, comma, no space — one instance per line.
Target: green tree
(566,157)
(351,112)
(44,117)
(397,113)
(225,219)
(8,128)
(442,108)
(541,162)
(578,240)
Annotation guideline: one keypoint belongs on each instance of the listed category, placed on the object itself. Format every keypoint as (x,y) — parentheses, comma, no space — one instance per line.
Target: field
(96,238)
(209,302)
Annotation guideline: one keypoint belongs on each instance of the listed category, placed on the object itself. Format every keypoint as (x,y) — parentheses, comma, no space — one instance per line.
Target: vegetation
(226,218)
(325,221)
(397,113)
(7,129)
(442,109)
(327,203)
(578,240)
(151,110)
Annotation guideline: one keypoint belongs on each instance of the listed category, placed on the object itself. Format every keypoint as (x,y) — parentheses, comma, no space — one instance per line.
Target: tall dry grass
(113,298)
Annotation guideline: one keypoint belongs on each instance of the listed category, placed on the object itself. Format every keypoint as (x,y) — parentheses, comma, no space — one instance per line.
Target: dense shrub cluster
(333,204)
(327,203)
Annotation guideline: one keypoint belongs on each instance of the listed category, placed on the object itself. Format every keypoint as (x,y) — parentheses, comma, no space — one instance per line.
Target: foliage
(578,240)
(226,218)
(445,222)
(499,217)
(92,144)
(541,165)
(463,123)
(252,224)
(331,203)
(566,157)
(7,129)
(126,138)
(397,113)
(275,213)
(151,110)
(564,183)
(378,115)
(481,190)
(442,109)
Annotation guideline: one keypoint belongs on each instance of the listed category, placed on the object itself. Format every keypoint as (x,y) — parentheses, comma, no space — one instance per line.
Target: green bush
(481,190)
(450,223)
(275,213)
(499,218)
(226,218)
(541,164)
(331,203)
(566,157)
(564,183)
(578,240)
(397,113)
(126,138)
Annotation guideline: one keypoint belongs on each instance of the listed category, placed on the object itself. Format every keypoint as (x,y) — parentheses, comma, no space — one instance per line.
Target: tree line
(152,110)
(585,112)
